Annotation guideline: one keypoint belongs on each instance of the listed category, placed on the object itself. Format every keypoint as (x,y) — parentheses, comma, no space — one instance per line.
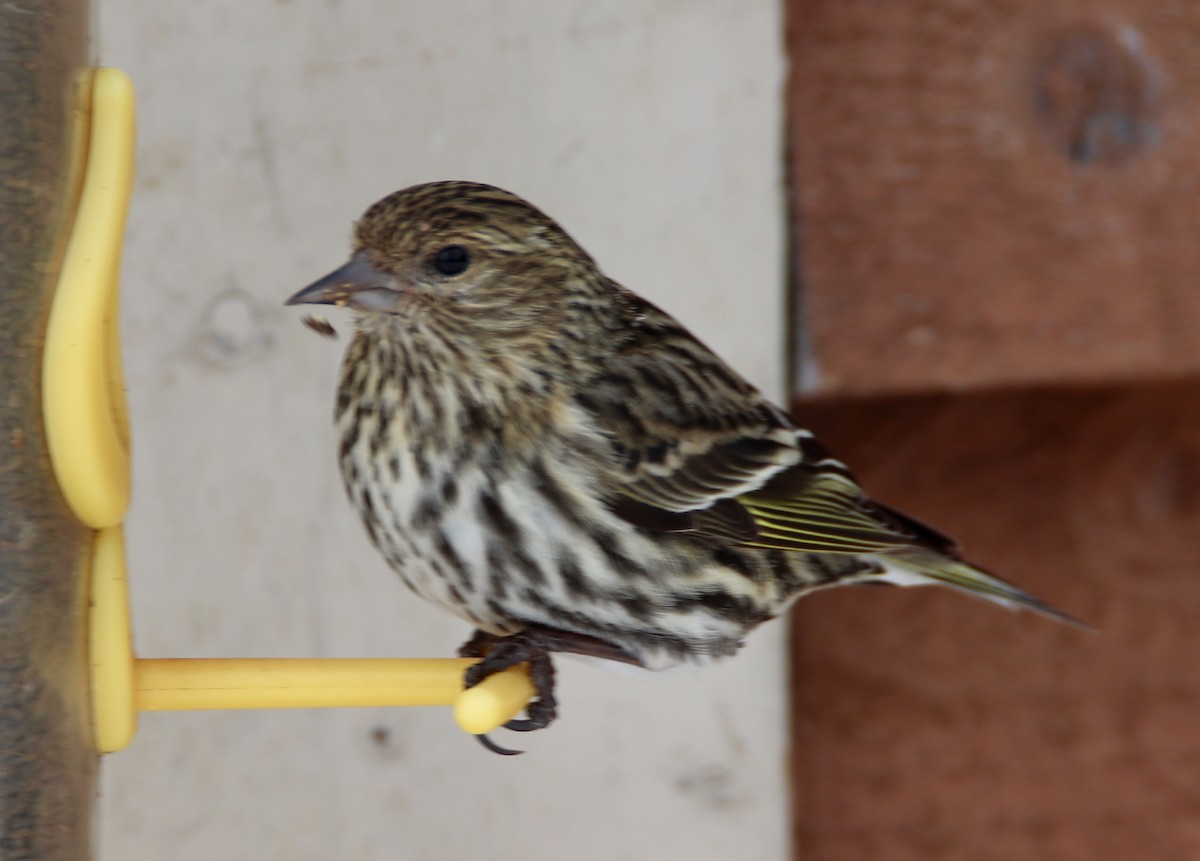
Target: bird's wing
(819,507)
(697,449)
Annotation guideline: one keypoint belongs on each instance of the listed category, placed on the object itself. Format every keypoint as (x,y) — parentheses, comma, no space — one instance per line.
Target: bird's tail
(925,569)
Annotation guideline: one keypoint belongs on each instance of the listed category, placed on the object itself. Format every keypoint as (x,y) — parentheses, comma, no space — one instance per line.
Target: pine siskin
(563,465)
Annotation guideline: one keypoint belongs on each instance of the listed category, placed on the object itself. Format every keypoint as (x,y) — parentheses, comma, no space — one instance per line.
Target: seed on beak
(319,325)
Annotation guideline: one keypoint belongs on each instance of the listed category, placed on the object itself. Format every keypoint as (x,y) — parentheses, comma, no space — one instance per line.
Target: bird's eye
(452,260)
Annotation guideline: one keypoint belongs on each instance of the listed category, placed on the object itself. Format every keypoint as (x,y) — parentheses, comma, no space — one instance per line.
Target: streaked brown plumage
(538,449)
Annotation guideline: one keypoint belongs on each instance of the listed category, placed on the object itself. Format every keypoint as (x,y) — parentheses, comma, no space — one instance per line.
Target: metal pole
(47,764)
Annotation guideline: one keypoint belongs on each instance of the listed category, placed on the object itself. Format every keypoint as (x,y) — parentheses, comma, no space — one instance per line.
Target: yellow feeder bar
(88,436)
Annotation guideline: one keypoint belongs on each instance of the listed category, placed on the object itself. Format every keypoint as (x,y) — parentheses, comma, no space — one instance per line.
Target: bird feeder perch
(87,431)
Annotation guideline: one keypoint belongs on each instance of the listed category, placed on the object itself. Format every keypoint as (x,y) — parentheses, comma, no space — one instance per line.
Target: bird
(567,468)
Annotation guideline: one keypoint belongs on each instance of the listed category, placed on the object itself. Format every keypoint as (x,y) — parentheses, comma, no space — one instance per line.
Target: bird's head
(472,255)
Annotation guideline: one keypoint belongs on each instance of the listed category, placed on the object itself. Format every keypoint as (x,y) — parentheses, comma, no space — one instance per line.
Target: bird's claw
(500,653)
(495,748)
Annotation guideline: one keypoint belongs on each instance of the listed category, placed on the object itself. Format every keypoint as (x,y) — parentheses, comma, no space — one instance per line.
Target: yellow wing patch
(826,517)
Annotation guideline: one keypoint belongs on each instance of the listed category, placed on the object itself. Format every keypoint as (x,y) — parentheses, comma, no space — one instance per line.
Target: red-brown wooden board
(991,193)
(932,726)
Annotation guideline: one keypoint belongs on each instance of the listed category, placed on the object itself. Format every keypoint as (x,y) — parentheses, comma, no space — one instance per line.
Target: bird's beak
(357,285)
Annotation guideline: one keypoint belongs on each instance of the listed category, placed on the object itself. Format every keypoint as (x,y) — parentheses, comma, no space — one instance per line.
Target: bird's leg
(498,654)
(533,645)
(478,645)
(542,711)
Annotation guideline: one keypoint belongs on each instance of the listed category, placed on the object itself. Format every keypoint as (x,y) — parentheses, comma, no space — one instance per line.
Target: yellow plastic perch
(88,436)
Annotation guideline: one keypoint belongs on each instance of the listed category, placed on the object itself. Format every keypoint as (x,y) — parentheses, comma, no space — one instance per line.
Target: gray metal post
(47,765)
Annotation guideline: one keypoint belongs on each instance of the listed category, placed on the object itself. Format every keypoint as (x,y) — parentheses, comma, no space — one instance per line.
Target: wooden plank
(995,193)
(930,726)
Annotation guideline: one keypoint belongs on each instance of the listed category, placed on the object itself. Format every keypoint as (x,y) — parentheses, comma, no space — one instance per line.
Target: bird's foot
(533,645)
(498,654)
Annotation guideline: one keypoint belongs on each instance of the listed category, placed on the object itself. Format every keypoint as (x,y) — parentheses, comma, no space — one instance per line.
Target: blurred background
(958,238)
